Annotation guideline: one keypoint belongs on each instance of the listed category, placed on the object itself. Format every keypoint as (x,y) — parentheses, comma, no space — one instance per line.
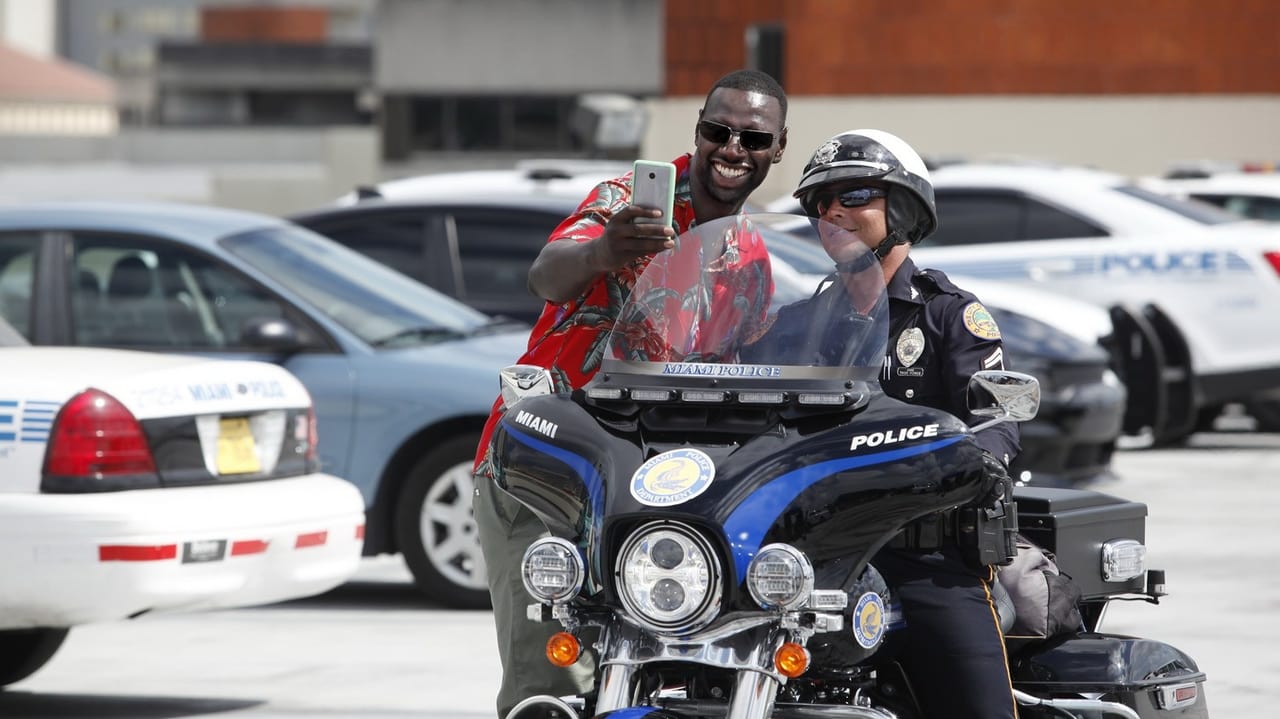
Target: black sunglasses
(751,140)
(857,197)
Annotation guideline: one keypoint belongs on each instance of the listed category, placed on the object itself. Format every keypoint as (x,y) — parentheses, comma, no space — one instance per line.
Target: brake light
(313,440)
(95,437)
(1274,259)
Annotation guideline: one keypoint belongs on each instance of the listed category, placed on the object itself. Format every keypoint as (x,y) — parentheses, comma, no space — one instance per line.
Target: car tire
(23,651)
(436,529)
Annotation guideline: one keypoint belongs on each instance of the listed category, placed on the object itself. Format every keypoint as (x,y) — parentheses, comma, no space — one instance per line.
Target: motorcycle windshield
(718,306)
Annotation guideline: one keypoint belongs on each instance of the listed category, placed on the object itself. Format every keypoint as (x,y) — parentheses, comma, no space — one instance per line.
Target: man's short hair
(752,81)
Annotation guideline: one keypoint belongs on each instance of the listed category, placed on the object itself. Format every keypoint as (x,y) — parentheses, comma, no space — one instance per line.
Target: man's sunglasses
(751,140)
(857,197)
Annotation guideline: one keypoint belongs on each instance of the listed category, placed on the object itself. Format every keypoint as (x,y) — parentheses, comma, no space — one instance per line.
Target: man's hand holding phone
(632,232)
(644,227)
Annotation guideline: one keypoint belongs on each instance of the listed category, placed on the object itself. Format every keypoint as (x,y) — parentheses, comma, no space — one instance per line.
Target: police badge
(910,346)
(826,153)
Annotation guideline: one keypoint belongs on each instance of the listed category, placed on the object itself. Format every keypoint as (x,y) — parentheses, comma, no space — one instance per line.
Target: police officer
(874,185)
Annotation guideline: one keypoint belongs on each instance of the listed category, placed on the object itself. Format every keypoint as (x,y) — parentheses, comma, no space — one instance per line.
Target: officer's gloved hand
(997,480)
(1000,509)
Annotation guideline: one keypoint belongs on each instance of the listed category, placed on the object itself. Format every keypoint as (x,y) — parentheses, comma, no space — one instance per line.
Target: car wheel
(23,651)
(436,527)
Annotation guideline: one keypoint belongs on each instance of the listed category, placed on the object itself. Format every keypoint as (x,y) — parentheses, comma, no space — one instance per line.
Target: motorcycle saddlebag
(1150,677)
(1073,524)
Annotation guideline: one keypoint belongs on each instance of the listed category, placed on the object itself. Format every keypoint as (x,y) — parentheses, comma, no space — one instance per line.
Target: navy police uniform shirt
(939,335)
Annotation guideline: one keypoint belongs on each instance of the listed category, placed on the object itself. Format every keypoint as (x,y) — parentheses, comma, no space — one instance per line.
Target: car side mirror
(271,333)
(1004,396)
(523,380)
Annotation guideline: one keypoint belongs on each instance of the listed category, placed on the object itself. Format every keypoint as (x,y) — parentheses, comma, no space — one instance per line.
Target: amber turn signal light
(563,649)
(791,660)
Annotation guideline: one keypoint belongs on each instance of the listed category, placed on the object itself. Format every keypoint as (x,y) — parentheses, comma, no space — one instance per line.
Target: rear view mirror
(271,334)
(523,380)
(1004,396)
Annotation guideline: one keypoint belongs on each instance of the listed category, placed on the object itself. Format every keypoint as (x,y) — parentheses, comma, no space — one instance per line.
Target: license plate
(236,451)
(208,550)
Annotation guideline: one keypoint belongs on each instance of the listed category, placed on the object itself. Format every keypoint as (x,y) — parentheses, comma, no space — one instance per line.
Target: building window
(539,123)
(490,123)
(765,49)
(480,123)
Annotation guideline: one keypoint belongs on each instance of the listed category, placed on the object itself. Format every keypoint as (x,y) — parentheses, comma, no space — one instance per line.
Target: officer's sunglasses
(751,140)
(856,197)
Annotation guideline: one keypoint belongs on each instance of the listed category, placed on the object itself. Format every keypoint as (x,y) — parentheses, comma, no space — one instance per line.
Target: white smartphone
(653,185)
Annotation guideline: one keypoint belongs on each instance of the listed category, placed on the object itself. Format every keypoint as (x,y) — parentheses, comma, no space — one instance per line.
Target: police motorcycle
(715,494)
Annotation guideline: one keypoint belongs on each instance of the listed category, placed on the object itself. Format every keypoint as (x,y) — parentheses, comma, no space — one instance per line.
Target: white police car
(1199,286)
(134,482)
(1252,194)
(549,177)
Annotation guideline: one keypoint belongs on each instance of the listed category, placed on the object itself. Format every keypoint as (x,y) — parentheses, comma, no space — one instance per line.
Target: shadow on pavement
(29,705)
(358,594)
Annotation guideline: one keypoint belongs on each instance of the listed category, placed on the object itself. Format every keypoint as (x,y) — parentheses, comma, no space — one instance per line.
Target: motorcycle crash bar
(1087,705)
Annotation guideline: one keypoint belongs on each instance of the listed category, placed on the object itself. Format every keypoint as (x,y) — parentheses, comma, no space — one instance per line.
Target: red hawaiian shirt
(569,339)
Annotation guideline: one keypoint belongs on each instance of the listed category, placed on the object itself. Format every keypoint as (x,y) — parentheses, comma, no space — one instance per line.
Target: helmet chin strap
(881,251)
(886,245)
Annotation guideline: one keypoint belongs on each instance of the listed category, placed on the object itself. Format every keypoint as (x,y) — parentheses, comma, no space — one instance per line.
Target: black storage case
(1132,671)
(1073,524)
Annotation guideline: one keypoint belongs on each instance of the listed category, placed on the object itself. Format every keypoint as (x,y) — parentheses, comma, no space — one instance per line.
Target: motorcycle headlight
(669,578)
(780,577)
(552,570)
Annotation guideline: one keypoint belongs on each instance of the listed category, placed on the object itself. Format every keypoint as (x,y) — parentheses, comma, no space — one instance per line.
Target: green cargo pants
(506,529)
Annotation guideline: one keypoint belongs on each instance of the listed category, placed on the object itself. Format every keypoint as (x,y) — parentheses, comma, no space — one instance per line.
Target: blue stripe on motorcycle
(746,527)
(628,713)
(585,470)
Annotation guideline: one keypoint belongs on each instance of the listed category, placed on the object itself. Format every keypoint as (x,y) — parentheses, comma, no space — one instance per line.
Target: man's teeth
(733,172)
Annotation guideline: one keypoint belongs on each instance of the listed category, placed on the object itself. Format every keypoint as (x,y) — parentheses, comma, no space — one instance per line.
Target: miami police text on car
(135,482)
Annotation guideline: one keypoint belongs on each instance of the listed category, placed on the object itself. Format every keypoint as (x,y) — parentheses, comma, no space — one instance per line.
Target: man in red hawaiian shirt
(585,272)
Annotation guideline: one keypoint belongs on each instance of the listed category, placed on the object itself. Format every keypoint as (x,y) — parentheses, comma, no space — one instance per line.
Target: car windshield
(710,301)
(1200,212)
(377,304)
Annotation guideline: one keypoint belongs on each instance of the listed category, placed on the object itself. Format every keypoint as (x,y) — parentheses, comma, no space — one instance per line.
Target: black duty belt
(928,533)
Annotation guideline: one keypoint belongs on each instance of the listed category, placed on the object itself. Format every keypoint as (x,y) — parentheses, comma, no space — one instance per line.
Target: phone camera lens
(652,175)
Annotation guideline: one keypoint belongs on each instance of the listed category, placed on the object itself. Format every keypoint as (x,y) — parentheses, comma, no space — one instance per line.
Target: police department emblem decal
(980,323)
(910,346)
(672,478)
(868,620)
(825,153)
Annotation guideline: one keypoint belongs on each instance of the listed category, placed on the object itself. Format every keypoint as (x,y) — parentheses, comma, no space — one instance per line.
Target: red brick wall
(706,38)
(264,24)
(1018,47)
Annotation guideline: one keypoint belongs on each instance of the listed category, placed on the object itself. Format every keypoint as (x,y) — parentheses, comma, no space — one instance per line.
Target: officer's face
(861,214)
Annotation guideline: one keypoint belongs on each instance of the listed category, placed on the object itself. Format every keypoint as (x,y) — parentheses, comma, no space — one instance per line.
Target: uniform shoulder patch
(979,322)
